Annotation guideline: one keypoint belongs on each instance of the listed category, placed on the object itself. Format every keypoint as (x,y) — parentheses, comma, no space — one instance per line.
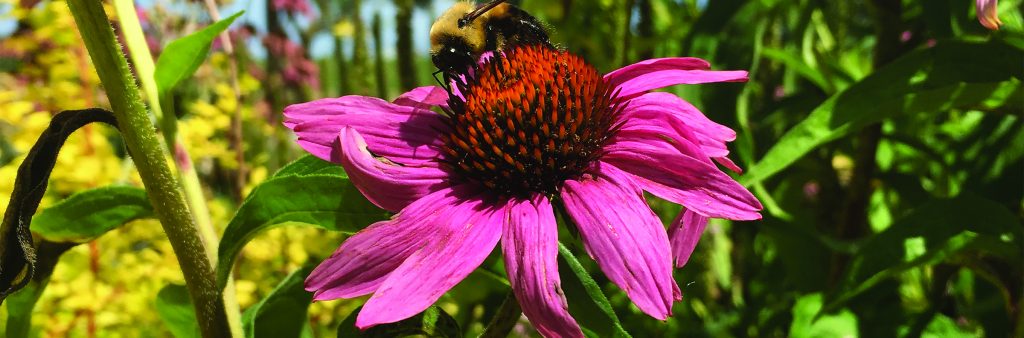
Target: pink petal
(684,233)
(463,235)
(666,108)
(391,187)
(624,236)
(658,73)
(988,14)
(364,260)
(530,245)
(681,176)
(400,133)
(424,97)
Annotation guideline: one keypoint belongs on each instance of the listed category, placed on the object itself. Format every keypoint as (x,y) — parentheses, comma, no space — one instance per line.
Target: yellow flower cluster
(108,288)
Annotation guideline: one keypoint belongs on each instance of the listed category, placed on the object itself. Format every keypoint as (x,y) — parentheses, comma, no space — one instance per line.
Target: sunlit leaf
(17,253)
(432,322)
(310,165)
(182,57)
(324,201)
(587,303)
(176,311)
(807,323)
(88,214)
(951,75)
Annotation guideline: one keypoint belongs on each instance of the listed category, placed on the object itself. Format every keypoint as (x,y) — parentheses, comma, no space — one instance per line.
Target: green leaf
(936,231)
(89,214)
(323,201)
(806,323)
(284,312)
(432,322)
(951,75)
(310,165)
(17,253)
(587,303)
(792,62)
(175,309)
(182,57)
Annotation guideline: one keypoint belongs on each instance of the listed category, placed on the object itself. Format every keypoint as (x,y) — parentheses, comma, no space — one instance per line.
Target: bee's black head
(454,56)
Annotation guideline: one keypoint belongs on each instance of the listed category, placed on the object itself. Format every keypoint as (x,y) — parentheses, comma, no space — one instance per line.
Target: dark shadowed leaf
(21,303)
(324,201)
(88,214)
(947,76)
(283,313)
(944,228)
(432,322)
(587,303)
(17,254)
(182,57)
(175,309)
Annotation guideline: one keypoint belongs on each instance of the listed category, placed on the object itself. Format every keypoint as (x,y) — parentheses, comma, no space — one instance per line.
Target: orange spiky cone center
(529,119)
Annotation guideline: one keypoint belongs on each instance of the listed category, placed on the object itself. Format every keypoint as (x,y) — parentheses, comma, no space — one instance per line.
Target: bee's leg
(443,84)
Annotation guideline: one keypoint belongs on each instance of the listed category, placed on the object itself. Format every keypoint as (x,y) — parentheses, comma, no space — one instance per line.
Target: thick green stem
(140,137)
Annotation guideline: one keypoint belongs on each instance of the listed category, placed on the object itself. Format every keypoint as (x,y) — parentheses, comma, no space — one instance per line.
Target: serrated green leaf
(947,76)
(323,201)
(587,303)
(88,214)
(946,228)
(175,309)
(17,252)
(432,323)
(182,57)
(284,312)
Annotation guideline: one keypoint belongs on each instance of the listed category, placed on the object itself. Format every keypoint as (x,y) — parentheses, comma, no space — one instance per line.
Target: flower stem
(140,137)
(504,320)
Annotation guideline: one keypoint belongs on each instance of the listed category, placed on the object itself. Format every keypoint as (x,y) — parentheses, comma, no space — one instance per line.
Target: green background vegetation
(884,137)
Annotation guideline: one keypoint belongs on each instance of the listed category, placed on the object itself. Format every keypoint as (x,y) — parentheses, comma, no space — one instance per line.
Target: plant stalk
(162,188)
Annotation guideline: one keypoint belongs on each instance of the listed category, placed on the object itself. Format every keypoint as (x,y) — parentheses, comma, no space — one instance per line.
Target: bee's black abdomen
(516,28)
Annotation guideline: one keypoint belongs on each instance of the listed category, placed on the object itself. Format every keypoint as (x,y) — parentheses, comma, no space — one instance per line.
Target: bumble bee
(465,31)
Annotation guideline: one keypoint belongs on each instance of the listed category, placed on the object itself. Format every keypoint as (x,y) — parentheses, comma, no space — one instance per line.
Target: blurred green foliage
(884,137)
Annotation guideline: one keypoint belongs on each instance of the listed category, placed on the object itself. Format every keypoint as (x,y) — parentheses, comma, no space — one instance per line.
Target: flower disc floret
(527,120)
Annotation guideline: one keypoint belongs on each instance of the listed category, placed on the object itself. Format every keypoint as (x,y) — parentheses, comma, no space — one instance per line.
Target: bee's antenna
(478,12)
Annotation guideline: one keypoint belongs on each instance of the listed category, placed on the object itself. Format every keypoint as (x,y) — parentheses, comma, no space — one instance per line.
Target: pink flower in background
(988,13)
(530,128)
(293,6)
(298,69)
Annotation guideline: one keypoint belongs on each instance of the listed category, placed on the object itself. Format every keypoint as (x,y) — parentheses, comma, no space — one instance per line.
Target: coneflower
(525,129)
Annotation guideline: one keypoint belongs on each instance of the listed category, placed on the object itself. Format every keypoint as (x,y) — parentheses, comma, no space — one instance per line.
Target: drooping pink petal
(659,73)
(464,234)
(362,262)
(681,176)
(403,134)
(684,233)
(988,13)
(530,245)
(424,97)
(389,186)
(668,108)
(624,236)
